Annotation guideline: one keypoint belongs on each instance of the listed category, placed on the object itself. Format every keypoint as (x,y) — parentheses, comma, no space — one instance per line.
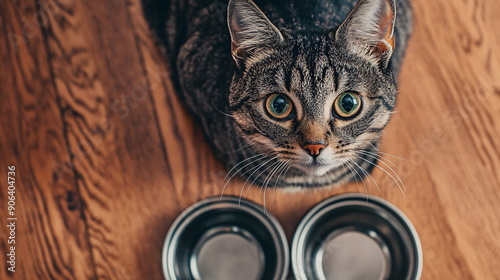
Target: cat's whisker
(275,166)
(274,171)
(387,154)
(260,174)
(380,152)
(340,168)
(376,155)
(365,172)
(241,162)
(259,157)
(246,181)
(250,143)
(346,182)
(329,176)
(271,174)
(286,151)
(285,170)
(286,166)
(376,152)
(381,168)
(356,173)
(257,166)
(381,161)
(364,142)
(265,204)
(220,94)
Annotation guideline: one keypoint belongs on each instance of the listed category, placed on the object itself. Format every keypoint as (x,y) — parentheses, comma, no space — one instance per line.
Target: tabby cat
(288,92)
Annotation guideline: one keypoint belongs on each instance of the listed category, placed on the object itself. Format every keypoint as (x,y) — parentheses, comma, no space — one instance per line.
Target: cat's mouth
(315,164)
(318,166)
(315,168)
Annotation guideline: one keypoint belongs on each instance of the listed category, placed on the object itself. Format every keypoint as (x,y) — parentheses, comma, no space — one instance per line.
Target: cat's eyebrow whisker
(381,161)
(381,168)
(365,172)
(220,111)
(259,157)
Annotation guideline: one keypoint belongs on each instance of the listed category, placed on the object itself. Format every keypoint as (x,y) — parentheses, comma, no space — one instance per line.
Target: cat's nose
(314,149)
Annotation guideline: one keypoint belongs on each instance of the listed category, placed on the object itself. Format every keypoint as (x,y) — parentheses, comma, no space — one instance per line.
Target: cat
(288,93)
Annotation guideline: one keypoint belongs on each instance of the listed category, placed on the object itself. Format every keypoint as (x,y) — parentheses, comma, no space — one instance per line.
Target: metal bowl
(225,238)
(356,237)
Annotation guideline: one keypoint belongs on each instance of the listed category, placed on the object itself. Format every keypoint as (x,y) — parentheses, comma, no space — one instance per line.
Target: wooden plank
(453,90)
(51,240)
(112,133)
(139,159)
(447,254)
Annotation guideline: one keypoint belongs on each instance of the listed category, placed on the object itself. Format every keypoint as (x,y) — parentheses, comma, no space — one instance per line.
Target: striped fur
(225,63)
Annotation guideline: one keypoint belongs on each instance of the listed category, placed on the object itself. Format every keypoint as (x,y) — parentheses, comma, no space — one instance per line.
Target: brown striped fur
(227,60)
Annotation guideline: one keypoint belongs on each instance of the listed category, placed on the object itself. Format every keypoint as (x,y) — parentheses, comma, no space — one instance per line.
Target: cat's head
(313,99)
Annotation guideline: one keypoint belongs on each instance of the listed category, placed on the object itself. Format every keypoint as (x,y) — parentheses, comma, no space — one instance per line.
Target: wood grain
(51,237)
(107,157)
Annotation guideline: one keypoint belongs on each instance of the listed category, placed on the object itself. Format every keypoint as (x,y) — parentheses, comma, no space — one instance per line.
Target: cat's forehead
(312,74)
(310,65)
(316,67)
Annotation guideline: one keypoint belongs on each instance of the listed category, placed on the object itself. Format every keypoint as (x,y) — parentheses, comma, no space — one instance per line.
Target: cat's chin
(315,170)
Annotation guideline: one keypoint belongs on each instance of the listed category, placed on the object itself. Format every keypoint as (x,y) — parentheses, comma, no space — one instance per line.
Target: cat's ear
(251,31)
(369,29)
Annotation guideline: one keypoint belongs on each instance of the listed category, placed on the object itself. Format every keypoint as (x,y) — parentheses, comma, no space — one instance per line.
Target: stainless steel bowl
(356,237)
(225,239)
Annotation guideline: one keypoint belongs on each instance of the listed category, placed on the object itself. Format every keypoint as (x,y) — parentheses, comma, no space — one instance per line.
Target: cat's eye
(347,105)
(279,106)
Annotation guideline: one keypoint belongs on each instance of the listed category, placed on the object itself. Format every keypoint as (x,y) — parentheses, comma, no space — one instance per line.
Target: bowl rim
(186,217)
(335,202)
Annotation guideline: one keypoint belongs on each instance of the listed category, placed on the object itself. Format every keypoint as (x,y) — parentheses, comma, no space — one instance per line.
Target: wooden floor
(106,157)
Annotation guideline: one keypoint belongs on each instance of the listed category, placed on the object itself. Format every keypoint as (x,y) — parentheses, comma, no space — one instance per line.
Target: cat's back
(174,21)
(289,15)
